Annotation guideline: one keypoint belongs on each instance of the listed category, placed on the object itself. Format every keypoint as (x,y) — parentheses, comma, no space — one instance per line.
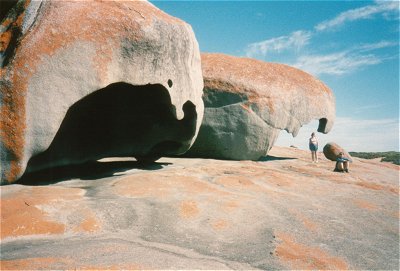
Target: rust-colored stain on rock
(90,223)
(113,267)
(365,205)
(62,264)
(21,213)
(61,28)
(220,224)
(299,256)
(245,75)
(12,110)
(230,206)
(375,186)
(234,181)
(308,223)
(33,263)
(188,209)
(143,186)
(165,185)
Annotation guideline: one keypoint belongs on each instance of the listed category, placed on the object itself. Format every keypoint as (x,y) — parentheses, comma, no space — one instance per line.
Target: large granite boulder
(248,102)
(331,151)
(82,80)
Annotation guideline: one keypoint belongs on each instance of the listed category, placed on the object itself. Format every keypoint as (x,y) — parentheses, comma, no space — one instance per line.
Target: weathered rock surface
(283,212)
(82,80)
(248,102)
(331,151)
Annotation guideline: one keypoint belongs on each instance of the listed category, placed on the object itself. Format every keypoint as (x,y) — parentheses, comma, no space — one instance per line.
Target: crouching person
(342,163)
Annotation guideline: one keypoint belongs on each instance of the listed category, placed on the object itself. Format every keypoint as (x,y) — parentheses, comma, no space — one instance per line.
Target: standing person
(313,145)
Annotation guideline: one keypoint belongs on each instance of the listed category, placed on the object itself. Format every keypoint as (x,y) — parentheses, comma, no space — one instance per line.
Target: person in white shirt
(313,145)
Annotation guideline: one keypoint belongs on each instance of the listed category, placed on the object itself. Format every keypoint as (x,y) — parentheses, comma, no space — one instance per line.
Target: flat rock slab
(282,212)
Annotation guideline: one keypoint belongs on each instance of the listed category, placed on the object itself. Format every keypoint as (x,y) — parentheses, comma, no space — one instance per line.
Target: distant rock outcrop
(82,80)
(331,151)
(248,102)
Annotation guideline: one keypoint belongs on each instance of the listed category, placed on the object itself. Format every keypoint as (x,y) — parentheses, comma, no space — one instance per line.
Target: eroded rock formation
(82,80)
(248,102)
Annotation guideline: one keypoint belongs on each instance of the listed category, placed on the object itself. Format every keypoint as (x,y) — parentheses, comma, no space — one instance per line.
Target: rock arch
(119,120)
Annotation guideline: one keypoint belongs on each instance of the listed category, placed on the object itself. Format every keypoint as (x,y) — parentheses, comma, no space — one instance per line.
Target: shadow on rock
(274,158)
(86,171)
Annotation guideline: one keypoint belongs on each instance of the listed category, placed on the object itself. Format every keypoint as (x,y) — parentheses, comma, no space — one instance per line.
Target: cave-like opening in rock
(120,120)
(322,125)
(6,6)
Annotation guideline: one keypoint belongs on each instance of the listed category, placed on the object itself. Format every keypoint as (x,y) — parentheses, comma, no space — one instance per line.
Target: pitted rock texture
(118,55)
(331,151)
(248,102)
(280,213)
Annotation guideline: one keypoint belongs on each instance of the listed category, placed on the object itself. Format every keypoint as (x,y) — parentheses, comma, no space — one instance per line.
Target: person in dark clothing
(342,163)
(313,145)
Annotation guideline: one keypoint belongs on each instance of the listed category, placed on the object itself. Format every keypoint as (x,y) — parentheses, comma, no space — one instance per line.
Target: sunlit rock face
(83,80)
(248,102)
(331,151)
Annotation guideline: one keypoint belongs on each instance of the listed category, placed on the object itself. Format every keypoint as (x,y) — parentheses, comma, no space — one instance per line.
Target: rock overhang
(271,96)
(65,51)
(269,86)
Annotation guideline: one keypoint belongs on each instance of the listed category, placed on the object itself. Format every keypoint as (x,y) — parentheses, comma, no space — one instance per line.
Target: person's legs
(339,166)
(346,166)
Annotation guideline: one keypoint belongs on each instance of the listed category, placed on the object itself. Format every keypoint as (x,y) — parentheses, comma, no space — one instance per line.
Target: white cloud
(351,134)
(295,40)
(377,45)
(336,63)
(365,108)
(380,7)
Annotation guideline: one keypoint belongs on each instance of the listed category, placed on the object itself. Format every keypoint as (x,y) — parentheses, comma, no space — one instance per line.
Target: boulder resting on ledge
(83,80)
(248,102)
(331,151)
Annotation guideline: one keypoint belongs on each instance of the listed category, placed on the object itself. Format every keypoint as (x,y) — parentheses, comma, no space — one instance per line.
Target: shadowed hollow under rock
(119,120)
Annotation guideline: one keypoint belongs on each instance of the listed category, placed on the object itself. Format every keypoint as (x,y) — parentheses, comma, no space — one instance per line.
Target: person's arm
(342,159)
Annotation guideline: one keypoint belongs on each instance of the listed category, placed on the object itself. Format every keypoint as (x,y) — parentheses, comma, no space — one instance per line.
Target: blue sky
(352,46)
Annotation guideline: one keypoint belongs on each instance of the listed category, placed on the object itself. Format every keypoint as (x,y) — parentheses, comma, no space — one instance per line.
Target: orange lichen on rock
(365,205)
(188,209)
(5,38)
(375,186)
(33,263)
(308,224)
(21,213)
(250,94)
(12,110)
(234,181)
(275,178)
(299,256)
(12,116)
(260,73)
(62,263)
(245,107)
(162,186)
(111,267)
(230,206)
(89,223)
(220,224)
(61,25)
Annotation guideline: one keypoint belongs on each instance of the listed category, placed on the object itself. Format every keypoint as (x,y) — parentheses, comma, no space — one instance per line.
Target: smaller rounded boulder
(332,150)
